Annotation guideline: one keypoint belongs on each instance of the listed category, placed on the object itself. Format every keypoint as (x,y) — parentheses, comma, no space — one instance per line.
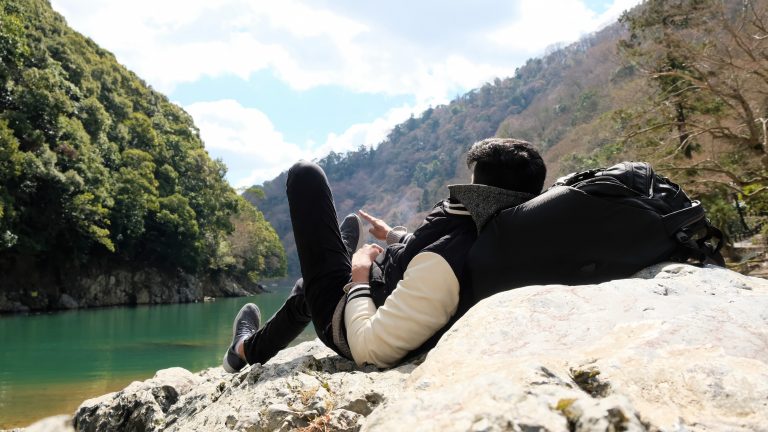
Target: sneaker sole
(226,366)
(361,234)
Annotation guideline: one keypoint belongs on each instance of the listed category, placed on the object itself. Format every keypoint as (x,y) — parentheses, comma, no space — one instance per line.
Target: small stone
(230,422)
(341,420)
(67,302)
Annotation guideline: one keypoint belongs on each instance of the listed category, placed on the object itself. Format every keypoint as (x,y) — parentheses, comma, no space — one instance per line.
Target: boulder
(304,385)
(675,348)
(141,406)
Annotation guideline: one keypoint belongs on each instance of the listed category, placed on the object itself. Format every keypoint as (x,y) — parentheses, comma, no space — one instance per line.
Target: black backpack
(591,227)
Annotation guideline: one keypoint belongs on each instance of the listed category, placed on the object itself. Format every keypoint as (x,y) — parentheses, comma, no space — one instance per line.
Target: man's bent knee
(305,171)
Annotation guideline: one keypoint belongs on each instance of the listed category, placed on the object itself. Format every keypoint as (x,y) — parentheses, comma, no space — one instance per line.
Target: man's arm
(421,304)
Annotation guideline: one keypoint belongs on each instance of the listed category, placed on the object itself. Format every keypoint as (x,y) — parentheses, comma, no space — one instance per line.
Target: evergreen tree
(94,164)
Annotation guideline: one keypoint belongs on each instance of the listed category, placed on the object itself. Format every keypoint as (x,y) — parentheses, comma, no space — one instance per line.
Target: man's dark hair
(507,163)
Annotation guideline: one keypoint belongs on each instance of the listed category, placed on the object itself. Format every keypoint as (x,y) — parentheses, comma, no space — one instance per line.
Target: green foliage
(425,172)
(255,192)
(706,118)
(254,247)
(136,197)
(90,218)
(603,156)
(93,163)
(661,42)
(586,107)
(721,211)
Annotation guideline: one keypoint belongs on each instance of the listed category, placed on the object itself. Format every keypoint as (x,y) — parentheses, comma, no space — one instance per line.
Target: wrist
(361,274)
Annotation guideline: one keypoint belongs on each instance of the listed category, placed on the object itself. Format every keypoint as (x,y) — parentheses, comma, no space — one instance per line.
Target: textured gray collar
(483,202)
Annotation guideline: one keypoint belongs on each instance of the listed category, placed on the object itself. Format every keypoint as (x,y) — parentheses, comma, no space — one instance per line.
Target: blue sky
(270,82)
(300,115)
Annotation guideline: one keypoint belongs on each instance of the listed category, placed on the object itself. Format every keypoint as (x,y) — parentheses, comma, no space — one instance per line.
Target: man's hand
(362,260)
(379,228)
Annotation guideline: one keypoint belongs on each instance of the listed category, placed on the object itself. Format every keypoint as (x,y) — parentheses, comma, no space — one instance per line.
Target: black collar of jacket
(484,202)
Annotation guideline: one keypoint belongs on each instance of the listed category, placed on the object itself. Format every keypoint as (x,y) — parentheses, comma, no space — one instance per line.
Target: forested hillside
(406,174)
(681,84)
(98,170)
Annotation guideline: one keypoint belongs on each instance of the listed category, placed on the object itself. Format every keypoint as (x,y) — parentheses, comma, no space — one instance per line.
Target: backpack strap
(677,220)
(576,177)
(684,224)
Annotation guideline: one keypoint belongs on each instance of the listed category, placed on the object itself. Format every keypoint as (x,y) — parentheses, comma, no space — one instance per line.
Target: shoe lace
(245,327)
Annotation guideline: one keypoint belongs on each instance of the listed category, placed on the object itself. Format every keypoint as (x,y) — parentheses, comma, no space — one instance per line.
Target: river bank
(33,290)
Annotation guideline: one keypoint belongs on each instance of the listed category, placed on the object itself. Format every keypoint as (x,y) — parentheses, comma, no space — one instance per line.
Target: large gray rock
(676,348)
(303,385)
(141,406)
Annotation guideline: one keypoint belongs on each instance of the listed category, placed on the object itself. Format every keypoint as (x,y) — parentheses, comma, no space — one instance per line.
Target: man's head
(507,163)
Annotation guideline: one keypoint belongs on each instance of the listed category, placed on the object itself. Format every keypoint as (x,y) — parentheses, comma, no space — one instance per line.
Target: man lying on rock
(379,305)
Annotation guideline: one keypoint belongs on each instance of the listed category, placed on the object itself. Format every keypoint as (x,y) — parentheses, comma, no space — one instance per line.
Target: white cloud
(245,138)
(428,51)
(254,151)
(540,24)
(615,10)
(365,134)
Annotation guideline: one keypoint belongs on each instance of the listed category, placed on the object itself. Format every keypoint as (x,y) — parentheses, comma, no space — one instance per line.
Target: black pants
(325,266)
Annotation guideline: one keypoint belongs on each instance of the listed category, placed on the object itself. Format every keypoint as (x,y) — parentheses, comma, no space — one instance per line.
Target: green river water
(50,363)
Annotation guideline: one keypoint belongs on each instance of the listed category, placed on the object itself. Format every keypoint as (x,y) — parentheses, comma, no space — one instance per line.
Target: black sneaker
(246,323)
(351,229)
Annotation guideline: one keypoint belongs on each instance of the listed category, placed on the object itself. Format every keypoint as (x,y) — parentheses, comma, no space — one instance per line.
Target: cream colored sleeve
(397,234)
(421,304)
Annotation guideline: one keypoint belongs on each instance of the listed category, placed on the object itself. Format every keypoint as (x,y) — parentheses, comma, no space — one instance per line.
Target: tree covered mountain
(606,98)
(98,168)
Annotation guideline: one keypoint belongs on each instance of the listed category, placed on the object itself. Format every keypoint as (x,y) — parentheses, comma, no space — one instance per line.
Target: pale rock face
(303,385)
(140,406)
(676,348)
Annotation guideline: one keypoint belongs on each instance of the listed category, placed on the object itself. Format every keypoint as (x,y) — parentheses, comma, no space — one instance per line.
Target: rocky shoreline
(118,287)
(676,348)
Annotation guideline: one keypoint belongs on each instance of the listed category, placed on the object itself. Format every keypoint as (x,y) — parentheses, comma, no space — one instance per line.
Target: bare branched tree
(708,63)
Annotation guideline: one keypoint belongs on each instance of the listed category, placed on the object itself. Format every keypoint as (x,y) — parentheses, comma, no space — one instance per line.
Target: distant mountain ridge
(407,173)
(679,84)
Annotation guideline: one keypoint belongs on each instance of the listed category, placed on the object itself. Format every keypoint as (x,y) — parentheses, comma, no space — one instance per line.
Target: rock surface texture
(676,348)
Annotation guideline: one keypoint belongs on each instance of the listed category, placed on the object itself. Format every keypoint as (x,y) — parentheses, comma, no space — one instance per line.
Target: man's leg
(325,265)
(284,326)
